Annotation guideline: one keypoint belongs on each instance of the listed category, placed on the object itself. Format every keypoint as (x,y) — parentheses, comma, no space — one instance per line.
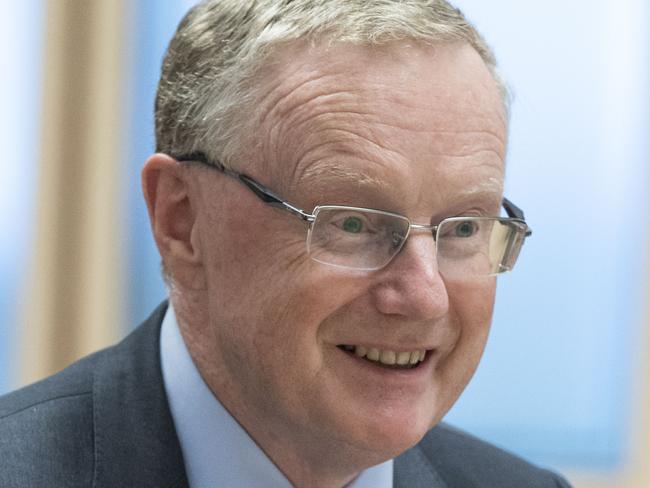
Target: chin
(388,432)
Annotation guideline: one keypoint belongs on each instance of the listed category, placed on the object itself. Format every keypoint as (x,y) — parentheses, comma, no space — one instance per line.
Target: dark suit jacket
(105,422)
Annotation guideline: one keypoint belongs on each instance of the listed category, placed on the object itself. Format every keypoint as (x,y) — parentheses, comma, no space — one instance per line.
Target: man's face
(414,130)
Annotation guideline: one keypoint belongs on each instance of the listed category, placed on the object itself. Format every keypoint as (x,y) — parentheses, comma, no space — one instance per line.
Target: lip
(401,376)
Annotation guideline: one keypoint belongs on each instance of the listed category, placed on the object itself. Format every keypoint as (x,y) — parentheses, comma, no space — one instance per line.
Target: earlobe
(172,216)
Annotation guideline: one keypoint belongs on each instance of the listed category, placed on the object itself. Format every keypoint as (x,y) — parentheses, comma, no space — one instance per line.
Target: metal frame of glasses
(368,239)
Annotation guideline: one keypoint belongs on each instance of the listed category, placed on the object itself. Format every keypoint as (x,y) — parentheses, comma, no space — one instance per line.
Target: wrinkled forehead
(397,102)
(297,70)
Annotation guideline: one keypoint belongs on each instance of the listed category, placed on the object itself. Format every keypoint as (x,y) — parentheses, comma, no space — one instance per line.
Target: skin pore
(412,129)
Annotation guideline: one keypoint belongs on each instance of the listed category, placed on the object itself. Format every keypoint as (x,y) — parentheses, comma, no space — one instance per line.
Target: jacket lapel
(135,438)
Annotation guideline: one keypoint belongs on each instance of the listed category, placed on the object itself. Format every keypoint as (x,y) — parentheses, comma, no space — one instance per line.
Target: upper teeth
(388,357)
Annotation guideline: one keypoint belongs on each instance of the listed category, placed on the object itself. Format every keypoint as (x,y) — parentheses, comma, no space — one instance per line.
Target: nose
(411,285)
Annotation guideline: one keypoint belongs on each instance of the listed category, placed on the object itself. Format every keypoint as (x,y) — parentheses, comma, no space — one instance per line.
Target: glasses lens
(356,238)
(474,247)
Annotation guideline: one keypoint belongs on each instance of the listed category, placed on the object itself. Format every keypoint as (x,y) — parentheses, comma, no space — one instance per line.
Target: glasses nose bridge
(431,247)
(433,229)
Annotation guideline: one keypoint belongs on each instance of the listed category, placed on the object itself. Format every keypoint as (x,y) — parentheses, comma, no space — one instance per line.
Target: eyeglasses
(368,239)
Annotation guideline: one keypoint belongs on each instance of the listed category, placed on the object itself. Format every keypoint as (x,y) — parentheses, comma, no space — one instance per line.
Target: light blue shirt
(216,449)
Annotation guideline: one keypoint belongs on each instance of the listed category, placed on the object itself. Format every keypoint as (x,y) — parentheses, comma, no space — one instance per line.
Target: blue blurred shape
(556,380)
(20,95)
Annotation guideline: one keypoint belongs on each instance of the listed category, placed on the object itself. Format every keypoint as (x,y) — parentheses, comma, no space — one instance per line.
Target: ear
(173,219)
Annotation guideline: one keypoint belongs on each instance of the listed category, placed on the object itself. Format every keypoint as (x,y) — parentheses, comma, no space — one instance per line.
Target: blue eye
(353,225)
(465,229)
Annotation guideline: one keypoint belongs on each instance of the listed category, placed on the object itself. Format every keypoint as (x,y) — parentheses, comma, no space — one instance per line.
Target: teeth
(388,357)
(373,354)
(403,358)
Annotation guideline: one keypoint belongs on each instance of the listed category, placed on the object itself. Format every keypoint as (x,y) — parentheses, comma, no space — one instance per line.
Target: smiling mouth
(387,358)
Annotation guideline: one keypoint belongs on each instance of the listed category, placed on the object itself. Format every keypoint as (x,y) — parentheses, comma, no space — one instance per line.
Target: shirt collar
(207,432)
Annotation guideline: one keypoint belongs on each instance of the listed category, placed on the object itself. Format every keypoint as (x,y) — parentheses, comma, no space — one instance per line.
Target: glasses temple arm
(514,212)
(263,193)
(270,198)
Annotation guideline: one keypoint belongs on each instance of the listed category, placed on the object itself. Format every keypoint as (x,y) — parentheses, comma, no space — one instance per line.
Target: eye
(466,228)
(396,239)
(352,224)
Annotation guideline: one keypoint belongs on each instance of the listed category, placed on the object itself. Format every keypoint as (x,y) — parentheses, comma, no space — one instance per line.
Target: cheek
(268,300)
(258,269)
(247,259)
(295,312)
(279,340)
(472,307)
(474,304)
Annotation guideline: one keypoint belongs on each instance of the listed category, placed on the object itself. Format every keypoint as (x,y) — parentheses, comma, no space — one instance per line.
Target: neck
(304,459)
(306,462)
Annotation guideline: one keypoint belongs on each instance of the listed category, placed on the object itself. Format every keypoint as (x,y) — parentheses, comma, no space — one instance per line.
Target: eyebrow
(344,174)
(489,187)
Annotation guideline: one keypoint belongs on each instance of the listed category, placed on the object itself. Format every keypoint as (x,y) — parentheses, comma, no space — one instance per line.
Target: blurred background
(565,380)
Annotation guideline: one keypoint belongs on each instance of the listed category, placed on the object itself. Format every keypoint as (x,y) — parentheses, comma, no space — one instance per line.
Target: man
(325,198)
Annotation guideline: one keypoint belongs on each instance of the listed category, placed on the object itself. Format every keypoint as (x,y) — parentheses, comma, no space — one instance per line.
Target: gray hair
(207,87)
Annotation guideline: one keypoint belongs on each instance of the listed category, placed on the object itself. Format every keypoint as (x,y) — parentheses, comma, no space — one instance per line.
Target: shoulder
(46,430)
(462,460)
(49,430)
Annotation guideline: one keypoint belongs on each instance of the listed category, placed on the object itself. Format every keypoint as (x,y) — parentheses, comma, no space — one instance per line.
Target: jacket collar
(135,437)
(413,469)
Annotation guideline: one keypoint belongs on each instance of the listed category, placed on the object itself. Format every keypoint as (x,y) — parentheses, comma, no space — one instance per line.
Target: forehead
(388,118)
